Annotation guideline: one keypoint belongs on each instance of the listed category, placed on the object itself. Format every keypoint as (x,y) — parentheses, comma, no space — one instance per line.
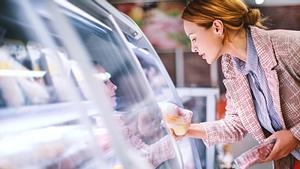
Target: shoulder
(285,44)
(287,38)
(278,35)
(284,34)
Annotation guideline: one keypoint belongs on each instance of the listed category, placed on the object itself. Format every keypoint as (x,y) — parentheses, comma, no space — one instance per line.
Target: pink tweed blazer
(279,54)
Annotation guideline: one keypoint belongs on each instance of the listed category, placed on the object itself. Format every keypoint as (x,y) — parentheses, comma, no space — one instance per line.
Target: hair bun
(252,16)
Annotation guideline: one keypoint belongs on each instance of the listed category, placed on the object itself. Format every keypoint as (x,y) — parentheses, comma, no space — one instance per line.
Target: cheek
(204,43)
(107,91)
(214,47)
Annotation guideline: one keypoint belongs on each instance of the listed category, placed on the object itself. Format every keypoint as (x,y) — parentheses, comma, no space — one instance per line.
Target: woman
(262,76)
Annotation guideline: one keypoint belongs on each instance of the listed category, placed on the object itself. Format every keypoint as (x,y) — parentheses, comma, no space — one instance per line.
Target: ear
(218,27)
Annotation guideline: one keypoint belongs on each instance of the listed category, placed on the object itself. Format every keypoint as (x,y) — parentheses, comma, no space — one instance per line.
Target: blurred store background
(160,21)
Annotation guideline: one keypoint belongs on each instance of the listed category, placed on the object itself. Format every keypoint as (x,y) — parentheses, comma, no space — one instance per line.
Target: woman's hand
(186,114)
(285,143)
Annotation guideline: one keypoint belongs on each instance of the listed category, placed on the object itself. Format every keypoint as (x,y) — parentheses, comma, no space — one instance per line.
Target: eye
(193,40)
(106,82)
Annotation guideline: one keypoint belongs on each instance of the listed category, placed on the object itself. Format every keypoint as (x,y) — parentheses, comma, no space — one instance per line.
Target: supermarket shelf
(30,117)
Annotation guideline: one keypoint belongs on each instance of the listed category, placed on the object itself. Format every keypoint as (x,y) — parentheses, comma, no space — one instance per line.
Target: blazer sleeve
(296,131)
(228,130)
(294,52)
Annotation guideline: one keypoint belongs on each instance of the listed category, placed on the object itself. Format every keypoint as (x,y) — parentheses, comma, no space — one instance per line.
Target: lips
(202,55)
(113,99)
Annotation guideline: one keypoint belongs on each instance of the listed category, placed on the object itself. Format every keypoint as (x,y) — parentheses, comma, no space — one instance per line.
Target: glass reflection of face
(110,87)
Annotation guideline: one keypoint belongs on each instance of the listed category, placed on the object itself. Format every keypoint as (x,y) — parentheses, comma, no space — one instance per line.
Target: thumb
(187,114)
(270,140)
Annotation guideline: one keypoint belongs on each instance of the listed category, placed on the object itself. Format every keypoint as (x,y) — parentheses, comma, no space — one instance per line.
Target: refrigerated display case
(157,77)
(73,93)
(55,112)
(43,125)
(132,97)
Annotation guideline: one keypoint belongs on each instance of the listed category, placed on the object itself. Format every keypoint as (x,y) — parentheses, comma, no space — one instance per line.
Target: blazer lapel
(241,95)
(265,52)
(239,91)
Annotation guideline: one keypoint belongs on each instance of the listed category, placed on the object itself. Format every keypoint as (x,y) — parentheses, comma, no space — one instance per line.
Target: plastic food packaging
(177,123)
(172,118)
(254,155)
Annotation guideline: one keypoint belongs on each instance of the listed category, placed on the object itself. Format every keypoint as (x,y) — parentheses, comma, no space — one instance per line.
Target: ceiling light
(258,2)
(22,73)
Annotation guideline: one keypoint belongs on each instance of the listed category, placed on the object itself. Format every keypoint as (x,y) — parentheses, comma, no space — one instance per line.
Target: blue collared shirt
(262,99)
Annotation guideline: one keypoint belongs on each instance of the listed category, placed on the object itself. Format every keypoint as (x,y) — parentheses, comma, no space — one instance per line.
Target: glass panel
(198,106)
(43,118)
(164,91)
(162,86)
(153,74)
(136,109)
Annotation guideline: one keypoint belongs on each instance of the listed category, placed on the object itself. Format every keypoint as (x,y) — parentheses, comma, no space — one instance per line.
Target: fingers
(187,114)
(190,116)
(264,151)
(274,153)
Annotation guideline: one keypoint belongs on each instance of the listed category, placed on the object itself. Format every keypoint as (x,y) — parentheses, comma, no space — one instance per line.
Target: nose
(112,85)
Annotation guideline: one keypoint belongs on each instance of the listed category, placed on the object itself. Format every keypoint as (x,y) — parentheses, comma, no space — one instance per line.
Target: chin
(209,61)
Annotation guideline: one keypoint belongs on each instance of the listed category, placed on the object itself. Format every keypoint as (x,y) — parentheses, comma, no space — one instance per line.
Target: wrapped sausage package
(175,118)
(177,123)
(254,155)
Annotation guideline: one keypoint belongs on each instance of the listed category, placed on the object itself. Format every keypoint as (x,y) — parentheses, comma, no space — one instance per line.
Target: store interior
(189,71)
(82,84)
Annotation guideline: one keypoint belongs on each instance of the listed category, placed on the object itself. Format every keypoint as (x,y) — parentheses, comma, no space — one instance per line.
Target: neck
(237,45)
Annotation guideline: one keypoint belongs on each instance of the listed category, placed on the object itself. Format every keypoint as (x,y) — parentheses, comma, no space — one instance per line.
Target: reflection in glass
(43,124)
(136,109)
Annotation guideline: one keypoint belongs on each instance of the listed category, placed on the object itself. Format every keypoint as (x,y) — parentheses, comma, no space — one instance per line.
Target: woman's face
(111,91)
(110,87)
(206,42)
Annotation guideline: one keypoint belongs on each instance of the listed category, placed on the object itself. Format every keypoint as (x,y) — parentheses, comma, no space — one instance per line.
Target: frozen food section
(131,96)
(161,85)
(75,91)
(43,121)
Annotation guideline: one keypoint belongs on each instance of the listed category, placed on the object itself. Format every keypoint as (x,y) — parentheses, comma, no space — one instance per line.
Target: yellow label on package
(5,65)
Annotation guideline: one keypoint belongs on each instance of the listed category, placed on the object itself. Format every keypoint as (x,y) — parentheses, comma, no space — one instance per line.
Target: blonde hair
(234,14)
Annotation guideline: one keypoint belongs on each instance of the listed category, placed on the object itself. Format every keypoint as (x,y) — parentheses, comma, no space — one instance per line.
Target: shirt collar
(252,59)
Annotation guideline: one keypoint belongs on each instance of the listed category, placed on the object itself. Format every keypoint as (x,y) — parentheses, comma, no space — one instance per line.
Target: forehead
(190,27)
(100,69)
